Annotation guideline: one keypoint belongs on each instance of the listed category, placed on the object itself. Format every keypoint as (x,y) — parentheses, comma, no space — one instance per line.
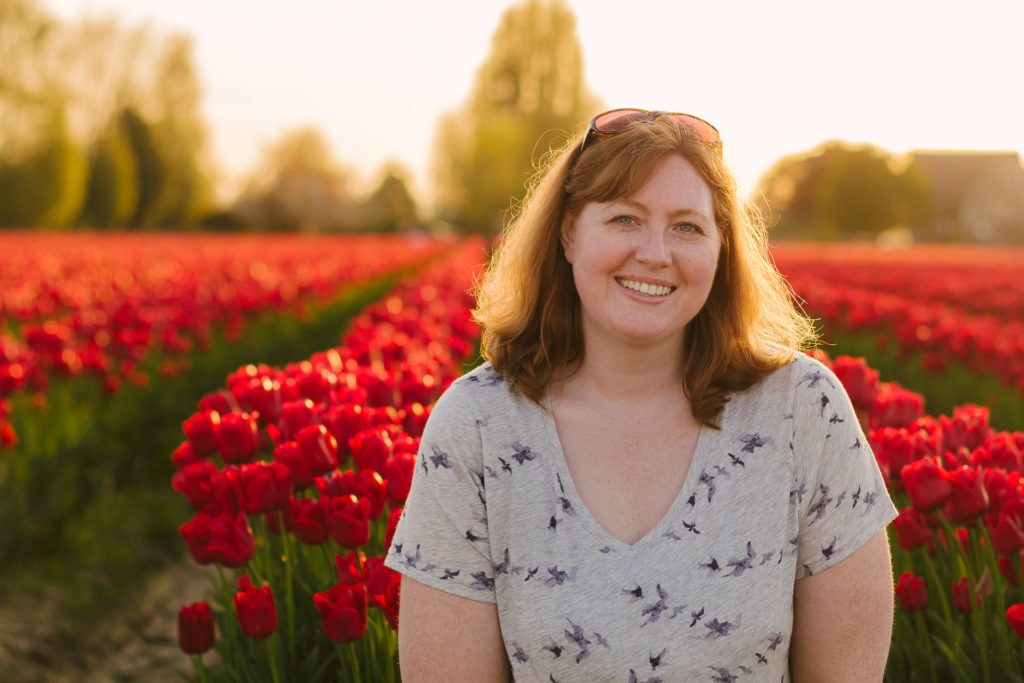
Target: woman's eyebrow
(640,206)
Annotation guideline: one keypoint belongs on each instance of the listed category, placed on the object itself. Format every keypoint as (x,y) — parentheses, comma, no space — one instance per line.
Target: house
(976,196)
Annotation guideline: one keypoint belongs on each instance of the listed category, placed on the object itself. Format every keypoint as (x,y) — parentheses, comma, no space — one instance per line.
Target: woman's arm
(447,638)
(842,618)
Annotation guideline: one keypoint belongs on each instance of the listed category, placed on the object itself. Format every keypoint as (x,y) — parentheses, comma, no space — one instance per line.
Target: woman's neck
(618,373)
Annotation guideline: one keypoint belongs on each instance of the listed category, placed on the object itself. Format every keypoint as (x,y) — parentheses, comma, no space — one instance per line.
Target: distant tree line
(100,125)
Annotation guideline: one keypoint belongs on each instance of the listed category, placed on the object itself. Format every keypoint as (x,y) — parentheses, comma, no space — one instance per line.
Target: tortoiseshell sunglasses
(617,120)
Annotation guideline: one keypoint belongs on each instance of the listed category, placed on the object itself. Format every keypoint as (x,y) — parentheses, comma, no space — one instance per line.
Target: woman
(647,481)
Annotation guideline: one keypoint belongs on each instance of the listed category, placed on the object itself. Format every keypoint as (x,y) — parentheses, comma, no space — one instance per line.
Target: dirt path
(37,645)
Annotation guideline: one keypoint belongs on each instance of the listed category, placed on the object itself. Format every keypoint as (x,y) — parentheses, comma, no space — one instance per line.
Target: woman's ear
(567,232)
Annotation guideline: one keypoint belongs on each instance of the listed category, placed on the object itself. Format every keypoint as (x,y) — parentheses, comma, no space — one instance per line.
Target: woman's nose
(652,248)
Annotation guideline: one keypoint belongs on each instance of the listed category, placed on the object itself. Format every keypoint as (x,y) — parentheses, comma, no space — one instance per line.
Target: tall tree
(297,186)
(390,207)
(839,190)
(528,97)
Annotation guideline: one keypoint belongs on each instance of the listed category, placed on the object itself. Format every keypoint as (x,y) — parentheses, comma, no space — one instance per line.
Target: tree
(841,190)
(390,207)
(528,96)
(297,186)
(113,191)
(45,187)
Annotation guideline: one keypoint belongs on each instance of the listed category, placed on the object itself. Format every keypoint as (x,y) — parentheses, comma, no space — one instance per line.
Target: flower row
(298,474)
(955,307)
(101,304)
(958,540)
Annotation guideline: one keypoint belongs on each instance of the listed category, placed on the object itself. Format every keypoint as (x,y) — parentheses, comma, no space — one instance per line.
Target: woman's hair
(527,301)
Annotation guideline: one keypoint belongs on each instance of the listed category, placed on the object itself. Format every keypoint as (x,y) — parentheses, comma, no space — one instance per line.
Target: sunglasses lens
(618,120)
(704,131)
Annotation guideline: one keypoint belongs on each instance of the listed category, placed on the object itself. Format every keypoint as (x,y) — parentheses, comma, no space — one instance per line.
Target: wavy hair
(527,301)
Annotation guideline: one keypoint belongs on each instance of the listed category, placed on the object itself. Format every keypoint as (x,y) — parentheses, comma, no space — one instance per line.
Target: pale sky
(774,77)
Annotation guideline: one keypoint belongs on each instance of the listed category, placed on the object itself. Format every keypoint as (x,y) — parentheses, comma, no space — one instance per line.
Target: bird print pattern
(786,488)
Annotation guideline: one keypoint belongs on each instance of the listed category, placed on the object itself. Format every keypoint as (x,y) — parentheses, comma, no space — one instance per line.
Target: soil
(37,645)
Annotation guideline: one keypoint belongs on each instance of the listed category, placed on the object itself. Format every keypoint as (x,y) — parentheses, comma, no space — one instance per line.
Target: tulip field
(254,404)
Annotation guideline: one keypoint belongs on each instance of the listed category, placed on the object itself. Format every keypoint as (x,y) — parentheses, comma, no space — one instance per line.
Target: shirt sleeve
(844,500)
(442,538)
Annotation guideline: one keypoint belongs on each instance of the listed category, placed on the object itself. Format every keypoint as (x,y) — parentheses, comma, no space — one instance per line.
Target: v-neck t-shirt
(786,488)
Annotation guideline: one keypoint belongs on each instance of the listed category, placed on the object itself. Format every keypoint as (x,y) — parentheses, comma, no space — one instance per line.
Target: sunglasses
(618,120)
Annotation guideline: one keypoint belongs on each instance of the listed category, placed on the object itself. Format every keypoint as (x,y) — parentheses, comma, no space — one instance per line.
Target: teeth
(645,288)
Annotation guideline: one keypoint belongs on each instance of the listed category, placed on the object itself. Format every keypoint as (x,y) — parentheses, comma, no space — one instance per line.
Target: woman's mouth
(645,288)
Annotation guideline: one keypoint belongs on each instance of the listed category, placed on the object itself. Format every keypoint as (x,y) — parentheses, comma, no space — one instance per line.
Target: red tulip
(295,415)
(201,430)
(195,628)
(319,448)
(389,533)
(382,587)
(257,614)
(911,592)
(343,422)
(225,539)
(371,449)
(1015,615)
(342,612)
(348,520)
(350,567)
(1007,529)
(859,380)
(266,485)
(193,481)
(895,406)
(962,596)
(364,484)
(927,484)
(237,437)
(289,453)
(307,518)
(398,471)
(184,455)
(969,498)
(911,529)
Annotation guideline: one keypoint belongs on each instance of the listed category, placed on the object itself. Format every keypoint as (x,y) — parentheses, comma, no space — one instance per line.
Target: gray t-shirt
(786,488)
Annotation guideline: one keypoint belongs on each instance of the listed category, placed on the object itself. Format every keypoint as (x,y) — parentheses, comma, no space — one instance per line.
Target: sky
(775,78)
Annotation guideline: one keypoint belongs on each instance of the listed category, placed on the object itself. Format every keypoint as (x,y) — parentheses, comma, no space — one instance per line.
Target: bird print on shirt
(439,458)
(522,453)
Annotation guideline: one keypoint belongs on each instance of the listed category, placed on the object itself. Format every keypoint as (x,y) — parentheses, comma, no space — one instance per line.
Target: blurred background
(890,121)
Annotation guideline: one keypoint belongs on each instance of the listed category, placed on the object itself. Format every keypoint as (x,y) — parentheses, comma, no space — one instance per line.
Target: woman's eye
(624,220)
(688,227)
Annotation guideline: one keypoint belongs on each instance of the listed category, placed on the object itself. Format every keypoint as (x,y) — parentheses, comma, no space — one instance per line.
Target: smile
(645,288)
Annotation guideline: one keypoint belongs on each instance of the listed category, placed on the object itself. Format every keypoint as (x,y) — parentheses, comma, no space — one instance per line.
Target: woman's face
(644,265)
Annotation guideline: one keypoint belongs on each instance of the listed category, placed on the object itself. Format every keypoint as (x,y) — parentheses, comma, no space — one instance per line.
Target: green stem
(289,562)
(201,668)
(355,661)
(273,660)
(921,629)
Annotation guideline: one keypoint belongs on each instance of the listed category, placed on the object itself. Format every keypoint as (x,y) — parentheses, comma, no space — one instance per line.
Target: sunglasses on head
(618,120)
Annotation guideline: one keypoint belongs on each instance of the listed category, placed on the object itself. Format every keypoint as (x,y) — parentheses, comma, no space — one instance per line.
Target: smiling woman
(647,479)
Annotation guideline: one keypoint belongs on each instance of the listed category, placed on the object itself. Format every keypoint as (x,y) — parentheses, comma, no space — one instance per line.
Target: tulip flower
(968,499)
(911,592)
(350,567)
(364,484)
(223,538)
(860,381)
(962,596)
(342,612)
(319,448)
(307,518)
(195,628)
(266,486)
(295,415)
(257,614)
(371,449)
(237,437)
(1007,529)
(927,484)
(1015,616)
(193,481)
(389,533)
(348,520)
(290,454)
(201,430)
(911,529)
